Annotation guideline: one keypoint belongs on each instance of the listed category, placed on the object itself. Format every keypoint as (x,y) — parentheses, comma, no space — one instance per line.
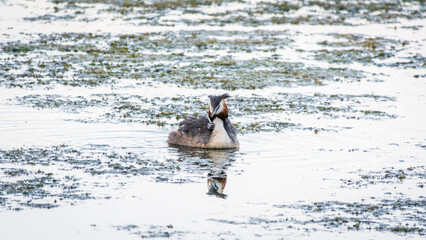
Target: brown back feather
(191,132)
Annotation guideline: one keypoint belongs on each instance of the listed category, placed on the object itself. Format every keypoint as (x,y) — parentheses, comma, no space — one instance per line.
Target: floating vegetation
(261,13)
(352,47)
(360,216)
(20,188)
(340,216)
(166,112)
(388,176)
(310,88)
(26,185)
(80,60)
(152,231)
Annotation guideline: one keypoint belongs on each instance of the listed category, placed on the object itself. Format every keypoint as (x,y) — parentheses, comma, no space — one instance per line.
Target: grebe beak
(215,110)
(218,108)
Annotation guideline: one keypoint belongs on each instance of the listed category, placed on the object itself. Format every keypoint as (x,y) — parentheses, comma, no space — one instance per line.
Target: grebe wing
(194,126)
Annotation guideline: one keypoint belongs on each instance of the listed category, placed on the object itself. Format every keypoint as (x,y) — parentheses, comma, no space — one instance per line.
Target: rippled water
(331,115)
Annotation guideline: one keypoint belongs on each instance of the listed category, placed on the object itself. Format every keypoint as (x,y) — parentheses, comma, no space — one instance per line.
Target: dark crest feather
(215,99)
(220,97)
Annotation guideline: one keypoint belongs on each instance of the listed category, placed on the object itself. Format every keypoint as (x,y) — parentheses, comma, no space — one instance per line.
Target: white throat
(219,137)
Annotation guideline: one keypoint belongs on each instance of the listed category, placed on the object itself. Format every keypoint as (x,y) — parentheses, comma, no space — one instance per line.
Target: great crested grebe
(213,132)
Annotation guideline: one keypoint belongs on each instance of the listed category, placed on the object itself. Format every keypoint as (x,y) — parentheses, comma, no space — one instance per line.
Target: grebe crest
(216,131)
(217,107)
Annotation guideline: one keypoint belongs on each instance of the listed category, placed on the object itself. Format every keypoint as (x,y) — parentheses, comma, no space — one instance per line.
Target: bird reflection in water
(219,161)
(216,183)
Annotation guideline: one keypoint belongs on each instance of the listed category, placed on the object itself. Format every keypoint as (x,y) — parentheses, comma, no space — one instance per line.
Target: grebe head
(218,107)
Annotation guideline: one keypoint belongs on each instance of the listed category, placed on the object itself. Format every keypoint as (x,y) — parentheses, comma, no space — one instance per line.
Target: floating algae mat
(328,98)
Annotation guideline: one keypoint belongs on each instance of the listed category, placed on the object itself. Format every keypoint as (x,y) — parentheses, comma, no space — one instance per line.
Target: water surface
(328,100)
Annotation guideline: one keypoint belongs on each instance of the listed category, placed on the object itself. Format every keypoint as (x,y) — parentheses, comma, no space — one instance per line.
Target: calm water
(331,115)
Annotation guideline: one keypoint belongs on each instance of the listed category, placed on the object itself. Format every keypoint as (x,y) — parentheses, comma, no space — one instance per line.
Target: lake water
(329,102)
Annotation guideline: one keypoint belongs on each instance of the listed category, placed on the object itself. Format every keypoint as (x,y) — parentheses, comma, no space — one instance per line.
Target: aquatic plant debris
(166,111)
(327,98)
(26,185)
